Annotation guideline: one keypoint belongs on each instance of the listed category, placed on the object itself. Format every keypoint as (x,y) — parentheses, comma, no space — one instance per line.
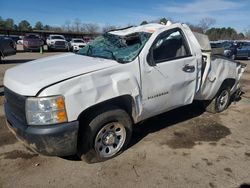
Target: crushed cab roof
(148,28)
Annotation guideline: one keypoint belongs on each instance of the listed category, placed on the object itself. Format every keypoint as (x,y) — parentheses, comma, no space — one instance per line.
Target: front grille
(59,43)
(16,103)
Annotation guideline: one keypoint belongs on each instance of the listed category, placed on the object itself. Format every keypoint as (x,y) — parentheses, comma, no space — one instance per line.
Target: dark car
(237,50)
(32,42)
(7,47)
(243,50)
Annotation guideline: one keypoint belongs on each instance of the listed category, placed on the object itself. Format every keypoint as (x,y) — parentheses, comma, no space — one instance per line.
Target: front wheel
(49,49)
(105,135)
(220,101)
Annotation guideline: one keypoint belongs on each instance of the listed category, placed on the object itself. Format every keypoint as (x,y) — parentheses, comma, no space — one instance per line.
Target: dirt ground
(186,147)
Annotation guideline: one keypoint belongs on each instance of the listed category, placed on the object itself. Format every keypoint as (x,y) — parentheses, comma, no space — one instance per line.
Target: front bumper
(32,47)
(54,140)
(59,47)
(77,48)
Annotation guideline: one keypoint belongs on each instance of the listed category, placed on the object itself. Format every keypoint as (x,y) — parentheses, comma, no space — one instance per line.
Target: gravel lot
(186,147)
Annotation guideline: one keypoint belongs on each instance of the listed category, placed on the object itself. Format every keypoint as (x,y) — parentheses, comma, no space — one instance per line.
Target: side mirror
(150,58)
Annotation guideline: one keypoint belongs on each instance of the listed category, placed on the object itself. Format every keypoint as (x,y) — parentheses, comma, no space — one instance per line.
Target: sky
(227,13)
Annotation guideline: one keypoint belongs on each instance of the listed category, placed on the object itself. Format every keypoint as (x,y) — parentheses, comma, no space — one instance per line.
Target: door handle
(188,68)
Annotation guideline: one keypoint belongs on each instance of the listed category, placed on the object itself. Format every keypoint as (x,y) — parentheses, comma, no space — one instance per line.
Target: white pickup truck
(87,103)
(56,42)
(76,44)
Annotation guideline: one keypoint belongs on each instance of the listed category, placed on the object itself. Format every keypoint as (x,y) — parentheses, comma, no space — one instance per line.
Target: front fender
(87,90)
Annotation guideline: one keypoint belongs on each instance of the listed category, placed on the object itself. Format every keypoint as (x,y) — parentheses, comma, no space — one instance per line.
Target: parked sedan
(236,50)
(75,44)
(7,47)
(32,42)
(243,50)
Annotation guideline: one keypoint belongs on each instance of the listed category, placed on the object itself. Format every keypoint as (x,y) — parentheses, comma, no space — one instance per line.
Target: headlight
(45,110)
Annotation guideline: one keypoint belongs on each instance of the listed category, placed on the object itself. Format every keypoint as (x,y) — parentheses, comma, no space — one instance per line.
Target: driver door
(170,80)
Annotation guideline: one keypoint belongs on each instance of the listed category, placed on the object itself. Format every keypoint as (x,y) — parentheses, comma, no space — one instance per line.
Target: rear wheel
(105,135)
(220,101)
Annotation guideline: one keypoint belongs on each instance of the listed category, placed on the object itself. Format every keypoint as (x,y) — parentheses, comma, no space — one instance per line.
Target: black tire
(90,131)
(220,102)
(25,49)
(49,49)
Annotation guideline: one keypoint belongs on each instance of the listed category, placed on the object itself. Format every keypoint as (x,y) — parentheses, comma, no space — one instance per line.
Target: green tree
(46,27)
(163,20)
(38,25)
(241,36)
(144,22)
(2,23)
(9,23)
(15,27)
(222,33)
(24,25)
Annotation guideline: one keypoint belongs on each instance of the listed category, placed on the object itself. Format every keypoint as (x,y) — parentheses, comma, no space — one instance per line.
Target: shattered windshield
(120,48)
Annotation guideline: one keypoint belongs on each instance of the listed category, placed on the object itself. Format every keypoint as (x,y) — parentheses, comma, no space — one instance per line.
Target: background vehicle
(32,42)
(231,49)
(7,47)
(20,40)
(76,43)
(243,50)
(56,42)
(87,102)
(217,48)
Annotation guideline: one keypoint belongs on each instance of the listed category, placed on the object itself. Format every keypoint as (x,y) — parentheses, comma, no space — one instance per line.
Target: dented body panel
(87,90)
(220,70)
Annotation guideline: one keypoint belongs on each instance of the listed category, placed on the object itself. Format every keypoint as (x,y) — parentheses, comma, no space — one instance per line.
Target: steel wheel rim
(223,100)
(110,139)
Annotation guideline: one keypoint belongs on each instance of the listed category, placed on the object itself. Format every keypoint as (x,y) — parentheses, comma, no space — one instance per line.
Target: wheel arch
(125,102)
(228,82)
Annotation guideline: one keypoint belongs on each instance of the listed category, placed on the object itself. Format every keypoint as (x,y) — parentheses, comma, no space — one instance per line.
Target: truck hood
(29,78)
(78,44)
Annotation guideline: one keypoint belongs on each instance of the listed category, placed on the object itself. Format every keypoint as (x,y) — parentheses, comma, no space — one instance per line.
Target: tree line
(24,25)
(204,26)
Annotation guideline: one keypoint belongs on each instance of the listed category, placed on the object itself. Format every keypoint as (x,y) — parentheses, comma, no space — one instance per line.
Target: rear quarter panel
(220,70)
